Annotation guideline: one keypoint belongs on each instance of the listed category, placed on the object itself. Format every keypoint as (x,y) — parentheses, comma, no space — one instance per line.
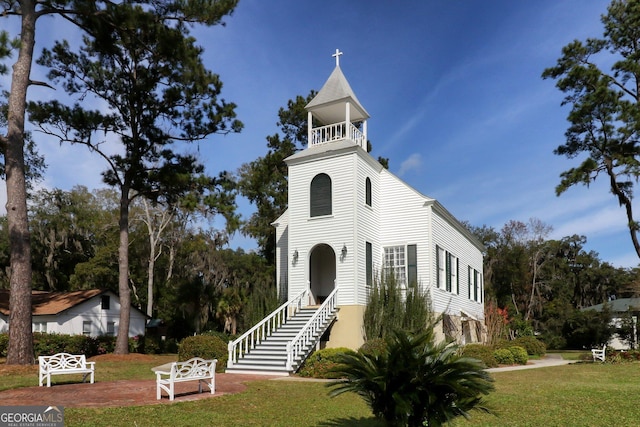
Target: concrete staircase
(269,356)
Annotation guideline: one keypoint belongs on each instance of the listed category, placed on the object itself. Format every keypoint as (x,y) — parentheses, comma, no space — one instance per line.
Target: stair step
(270,355)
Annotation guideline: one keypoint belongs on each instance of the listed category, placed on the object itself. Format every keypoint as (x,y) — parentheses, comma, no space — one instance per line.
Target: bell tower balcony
(336,112)
(338,132)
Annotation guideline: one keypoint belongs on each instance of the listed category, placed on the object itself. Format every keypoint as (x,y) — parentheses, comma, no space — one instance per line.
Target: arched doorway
(322,272)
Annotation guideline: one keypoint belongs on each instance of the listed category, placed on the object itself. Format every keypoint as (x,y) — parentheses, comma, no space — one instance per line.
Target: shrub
(531,344)
(106,344)
(136,344)
(206,347)
(45,344)
(503,356)
(224,337)
(373,347)
(520,355)
(321,363)
(554,342)
(481,352)
(151,345)
(4,343)
(391,307)
(48,344)
(415,382)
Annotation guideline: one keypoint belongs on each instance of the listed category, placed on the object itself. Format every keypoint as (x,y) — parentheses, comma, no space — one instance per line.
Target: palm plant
(413,381)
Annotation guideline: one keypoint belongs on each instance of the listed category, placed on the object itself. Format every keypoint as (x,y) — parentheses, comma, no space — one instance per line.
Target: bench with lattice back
(64,363)
(194,369)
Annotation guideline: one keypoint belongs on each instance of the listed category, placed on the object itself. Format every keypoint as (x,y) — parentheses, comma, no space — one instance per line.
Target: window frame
(320,196)
(39,327)
(476,290)
(367,192)
(111,329)
(87,327)
(395,254)
(441,274)
(447,271)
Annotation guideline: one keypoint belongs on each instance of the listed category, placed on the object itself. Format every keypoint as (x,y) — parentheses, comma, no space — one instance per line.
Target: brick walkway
(120,393)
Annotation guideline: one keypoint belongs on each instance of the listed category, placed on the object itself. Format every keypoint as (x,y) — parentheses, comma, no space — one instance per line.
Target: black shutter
(368,191)
(412,265)
(369,261)
(448,265)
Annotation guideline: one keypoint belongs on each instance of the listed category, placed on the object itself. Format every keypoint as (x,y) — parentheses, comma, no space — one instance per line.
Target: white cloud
(607,220)
(413,162)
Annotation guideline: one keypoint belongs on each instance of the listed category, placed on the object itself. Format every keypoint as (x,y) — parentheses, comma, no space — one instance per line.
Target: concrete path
(547,361)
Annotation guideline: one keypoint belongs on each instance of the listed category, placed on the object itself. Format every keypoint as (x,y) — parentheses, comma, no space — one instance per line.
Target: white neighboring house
(348,218)
(92,312)
(619,308)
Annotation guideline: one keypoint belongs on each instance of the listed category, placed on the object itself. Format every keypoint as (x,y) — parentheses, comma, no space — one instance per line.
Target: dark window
(412,265)
(367,197)
(320,195)
(106,301)
(369,261)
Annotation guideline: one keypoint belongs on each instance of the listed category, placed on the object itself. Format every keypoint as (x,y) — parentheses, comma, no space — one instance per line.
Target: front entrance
(322,272)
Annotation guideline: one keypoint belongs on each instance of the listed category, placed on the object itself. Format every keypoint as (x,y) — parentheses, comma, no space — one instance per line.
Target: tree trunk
(20,350)
(122,341)
(150,276)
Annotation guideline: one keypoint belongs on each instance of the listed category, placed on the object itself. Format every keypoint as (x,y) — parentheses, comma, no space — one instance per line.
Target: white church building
(348,219)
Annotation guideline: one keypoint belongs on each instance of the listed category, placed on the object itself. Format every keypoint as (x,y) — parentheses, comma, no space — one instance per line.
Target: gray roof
(617,305)
(328,105)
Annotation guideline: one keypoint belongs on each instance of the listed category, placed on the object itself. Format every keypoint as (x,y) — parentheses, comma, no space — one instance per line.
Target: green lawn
(584,394)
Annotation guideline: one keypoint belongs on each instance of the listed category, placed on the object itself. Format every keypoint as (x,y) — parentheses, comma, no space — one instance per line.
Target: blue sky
(453,89)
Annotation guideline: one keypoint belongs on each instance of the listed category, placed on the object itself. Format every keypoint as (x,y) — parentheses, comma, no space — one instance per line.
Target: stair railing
(310,331)
(265,327)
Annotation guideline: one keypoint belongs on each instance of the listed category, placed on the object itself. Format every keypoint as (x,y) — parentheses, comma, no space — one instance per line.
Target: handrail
(336,132)
(240,346)
(311,328)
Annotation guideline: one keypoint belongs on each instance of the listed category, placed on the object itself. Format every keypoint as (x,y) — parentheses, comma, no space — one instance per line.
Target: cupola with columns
(337,111)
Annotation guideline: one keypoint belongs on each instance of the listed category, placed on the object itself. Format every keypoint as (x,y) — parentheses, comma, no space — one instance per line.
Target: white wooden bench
(65,363)
(599,354)
(195,369)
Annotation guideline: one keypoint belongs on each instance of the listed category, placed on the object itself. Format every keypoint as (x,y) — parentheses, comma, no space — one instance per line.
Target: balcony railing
(337,132)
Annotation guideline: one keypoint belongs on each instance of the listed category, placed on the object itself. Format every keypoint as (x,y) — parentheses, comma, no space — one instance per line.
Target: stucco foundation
(347,330)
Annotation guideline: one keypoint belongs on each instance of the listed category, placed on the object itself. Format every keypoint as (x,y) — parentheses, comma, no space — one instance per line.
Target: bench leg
(211,385)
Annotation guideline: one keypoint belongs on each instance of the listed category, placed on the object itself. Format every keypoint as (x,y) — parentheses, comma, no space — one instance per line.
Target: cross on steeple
(337,56)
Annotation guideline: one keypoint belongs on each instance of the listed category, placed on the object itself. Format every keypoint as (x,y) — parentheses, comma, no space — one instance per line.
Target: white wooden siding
(70,321)
(405,221)
(368,222)
(399,215)
(446,236)
(336,230)
(283,255)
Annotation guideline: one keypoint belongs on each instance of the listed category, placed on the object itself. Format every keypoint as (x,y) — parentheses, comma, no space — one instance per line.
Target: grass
(583,394)
(265,403)
(574,354)
(112,368)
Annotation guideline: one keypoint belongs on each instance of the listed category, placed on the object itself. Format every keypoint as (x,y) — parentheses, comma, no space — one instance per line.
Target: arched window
(367,191)
(320,195)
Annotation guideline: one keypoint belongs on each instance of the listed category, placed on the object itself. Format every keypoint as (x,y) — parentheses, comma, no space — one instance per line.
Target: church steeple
(337,109)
